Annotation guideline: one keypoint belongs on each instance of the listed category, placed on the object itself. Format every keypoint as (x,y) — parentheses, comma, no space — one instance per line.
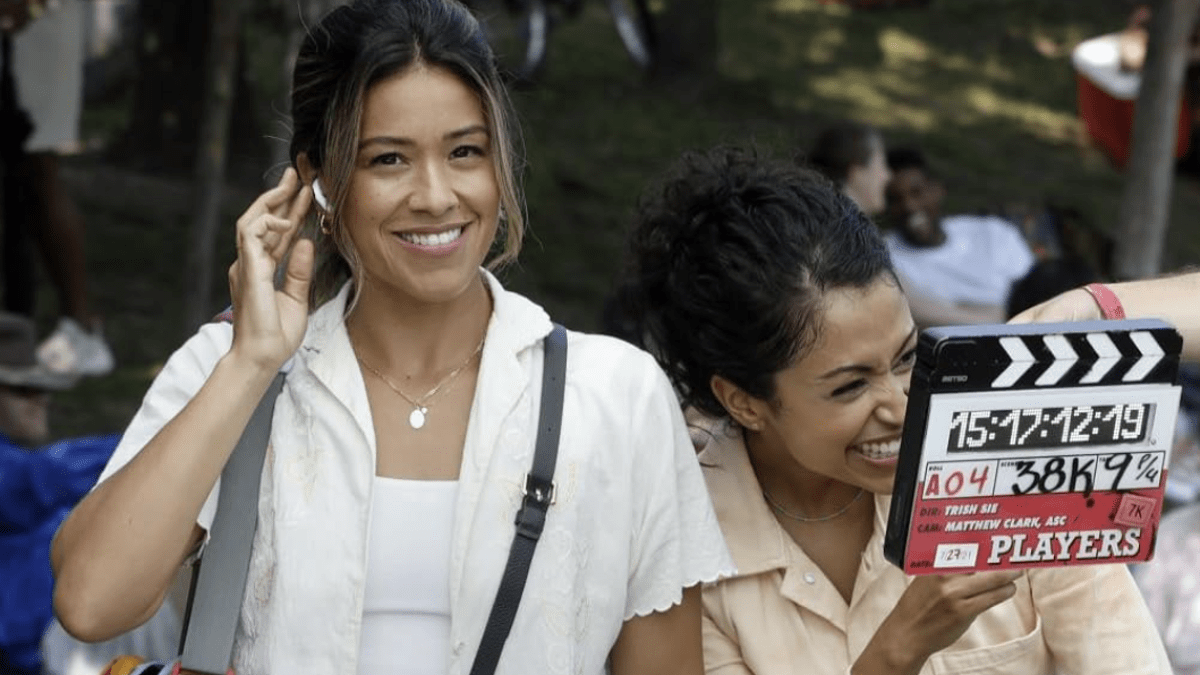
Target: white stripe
(1108,356)
(1152,353)
(1064,358)
(1022,361)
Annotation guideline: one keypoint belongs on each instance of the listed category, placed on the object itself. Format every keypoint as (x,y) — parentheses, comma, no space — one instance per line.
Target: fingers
(266,234)
(300,205)
(299,272)
(978,603)
(1073,305)
(295,215)
(967,585)
(275,198)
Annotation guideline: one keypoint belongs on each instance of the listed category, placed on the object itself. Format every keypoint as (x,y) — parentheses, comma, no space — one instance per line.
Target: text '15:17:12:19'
(1082,425)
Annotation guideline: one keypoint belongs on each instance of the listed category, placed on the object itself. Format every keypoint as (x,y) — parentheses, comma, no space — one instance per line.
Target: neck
(414,340)
(799,490)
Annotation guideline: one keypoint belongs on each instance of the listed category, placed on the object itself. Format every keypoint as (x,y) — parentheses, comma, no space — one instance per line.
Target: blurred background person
(852,155)
(47,61)
(955,269)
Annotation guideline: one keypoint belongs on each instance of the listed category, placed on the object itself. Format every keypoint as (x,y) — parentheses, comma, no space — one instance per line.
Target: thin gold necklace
(805,519)
(416,418)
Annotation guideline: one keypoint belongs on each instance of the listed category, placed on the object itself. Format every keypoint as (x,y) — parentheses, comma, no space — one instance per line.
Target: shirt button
(809,577)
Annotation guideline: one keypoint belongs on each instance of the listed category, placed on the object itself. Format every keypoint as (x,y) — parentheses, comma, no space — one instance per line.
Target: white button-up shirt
(632,525)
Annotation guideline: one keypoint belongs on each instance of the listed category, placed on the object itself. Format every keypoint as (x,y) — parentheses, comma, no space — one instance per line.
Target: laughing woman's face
(839,410)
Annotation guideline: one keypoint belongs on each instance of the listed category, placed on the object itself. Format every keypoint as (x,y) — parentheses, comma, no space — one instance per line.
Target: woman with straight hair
(405,429)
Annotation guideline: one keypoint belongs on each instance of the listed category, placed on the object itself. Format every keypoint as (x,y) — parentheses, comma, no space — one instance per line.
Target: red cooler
(1106,98)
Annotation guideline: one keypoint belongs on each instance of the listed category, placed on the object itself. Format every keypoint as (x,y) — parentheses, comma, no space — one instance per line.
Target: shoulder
(610,364)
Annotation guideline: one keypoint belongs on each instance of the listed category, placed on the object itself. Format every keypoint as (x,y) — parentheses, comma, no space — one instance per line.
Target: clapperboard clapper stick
(1034,446)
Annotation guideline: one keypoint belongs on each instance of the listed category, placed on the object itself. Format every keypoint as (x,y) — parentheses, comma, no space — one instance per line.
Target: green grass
(984,86)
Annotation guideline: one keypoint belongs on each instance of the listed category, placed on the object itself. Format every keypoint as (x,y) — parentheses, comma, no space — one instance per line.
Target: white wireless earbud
(319,195)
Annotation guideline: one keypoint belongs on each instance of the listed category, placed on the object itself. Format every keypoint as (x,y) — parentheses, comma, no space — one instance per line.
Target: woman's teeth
(880,450)
(439,239)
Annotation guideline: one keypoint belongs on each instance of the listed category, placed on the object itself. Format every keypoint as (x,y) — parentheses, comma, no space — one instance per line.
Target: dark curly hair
(729,262)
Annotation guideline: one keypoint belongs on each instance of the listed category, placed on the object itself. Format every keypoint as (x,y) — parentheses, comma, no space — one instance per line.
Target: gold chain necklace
(416,418)
(806,519)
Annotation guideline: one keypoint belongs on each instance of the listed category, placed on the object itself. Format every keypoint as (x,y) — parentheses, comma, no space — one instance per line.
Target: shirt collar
(515,325)
(520,322)
(755,539)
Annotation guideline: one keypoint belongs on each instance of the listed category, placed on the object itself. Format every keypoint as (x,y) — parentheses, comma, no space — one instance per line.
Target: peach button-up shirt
(780,614)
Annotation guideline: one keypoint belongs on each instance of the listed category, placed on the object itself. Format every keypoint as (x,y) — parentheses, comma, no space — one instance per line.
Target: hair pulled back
(730,259)
(353,48)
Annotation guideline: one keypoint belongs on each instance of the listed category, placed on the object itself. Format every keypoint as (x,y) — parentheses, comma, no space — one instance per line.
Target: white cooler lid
(1098,59)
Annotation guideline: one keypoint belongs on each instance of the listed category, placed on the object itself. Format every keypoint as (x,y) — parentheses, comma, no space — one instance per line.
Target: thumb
(299,273)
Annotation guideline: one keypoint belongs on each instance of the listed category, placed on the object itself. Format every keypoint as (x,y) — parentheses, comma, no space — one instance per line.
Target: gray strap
(215,602)
(539,494)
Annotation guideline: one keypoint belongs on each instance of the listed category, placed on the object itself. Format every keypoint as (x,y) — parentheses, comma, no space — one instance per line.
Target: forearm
(116,553)
(884,657)
(1175,299)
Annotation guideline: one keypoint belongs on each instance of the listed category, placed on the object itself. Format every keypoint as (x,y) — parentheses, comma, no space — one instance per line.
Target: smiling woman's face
(423,202)
(839,410)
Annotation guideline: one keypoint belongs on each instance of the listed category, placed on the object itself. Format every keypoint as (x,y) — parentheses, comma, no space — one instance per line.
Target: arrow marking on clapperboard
(1022,361)
(1107,356)
(1152,353)
(1064,358)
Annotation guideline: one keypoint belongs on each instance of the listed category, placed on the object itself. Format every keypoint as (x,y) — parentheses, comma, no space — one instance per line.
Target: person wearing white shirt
(954,269)
(406,424)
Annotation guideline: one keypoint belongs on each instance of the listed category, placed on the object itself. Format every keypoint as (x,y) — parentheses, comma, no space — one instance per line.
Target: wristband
(1109,303)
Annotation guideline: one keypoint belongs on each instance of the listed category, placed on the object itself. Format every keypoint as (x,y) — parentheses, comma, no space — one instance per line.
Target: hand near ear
(269,322)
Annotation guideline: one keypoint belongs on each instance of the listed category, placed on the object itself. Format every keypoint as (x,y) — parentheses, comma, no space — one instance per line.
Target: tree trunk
(1145,201)
(687,39)
(211,157)
(172,41)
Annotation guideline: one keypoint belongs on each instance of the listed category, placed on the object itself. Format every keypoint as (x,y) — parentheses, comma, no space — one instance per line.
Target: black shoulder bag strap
(539,494)
(215,599)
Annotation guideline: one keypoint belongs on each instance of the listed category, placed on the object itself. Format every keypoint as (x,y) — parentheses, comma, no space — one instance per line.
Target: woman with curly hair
(773,306)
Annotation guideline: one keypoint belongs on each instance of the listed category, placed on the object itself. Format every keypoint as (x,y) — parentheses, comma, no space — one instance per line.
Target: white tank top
(406,602)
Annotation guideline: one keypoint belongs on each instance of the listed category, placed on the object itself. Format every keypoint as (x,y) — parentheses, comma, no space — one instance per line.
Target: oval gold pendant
(416,419)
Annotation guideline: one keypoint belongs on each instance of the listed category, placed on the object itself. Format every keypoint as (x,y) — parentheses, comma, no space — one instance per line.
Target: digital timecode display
(1066,426)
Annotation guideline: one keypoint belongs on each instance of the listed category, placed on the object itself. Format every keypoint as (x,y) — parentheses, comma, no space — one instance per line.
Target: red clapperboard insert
(1034,446)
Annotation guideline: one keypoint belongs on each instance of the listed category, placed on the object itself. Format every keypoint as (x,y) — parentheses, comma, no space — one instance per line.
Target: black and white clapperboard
(1034,445)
